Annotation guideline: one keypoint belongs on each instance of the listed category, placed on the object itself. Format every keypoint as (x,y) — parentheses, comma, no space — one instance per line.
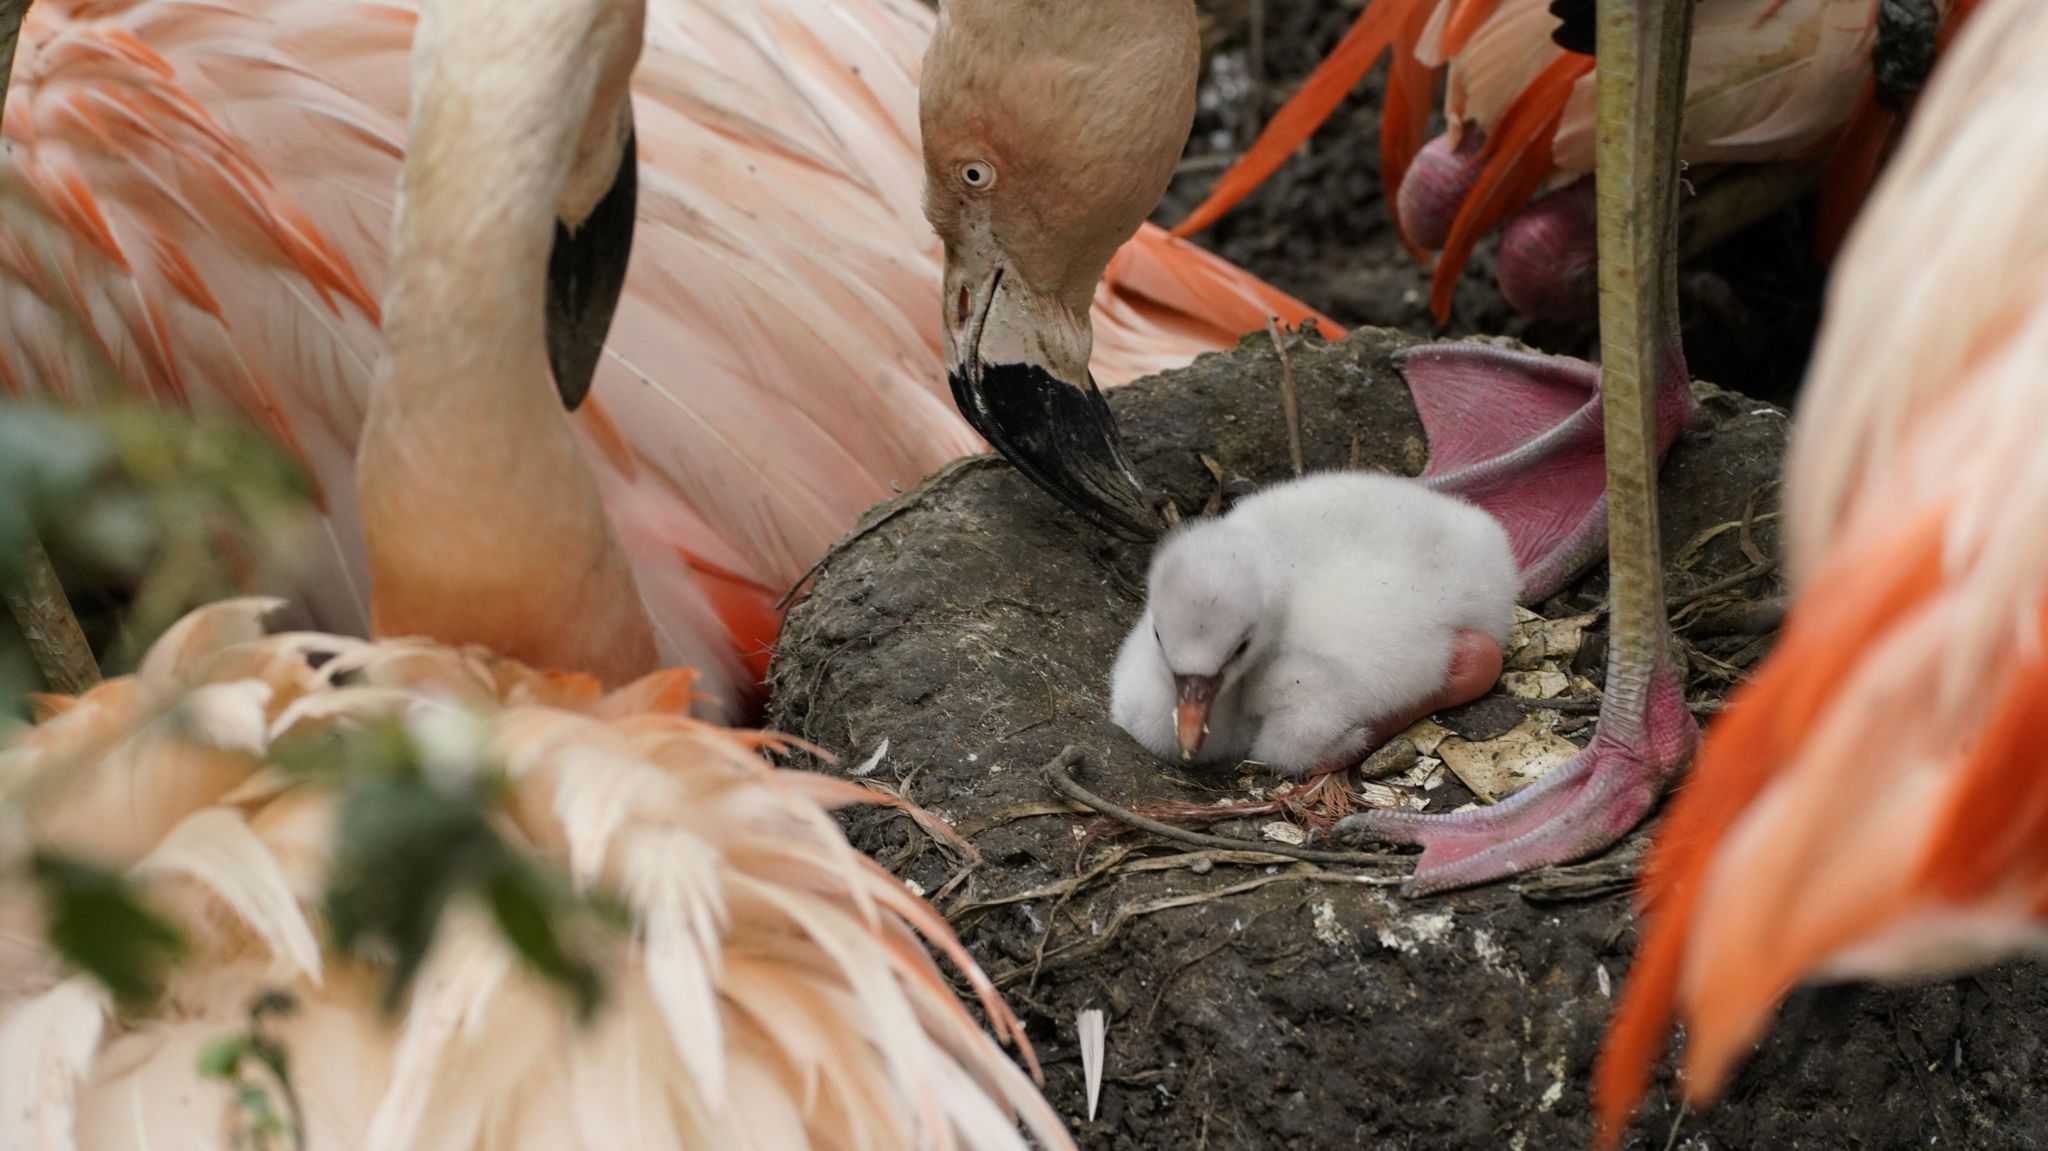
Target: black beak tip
(1063,438)
(586,275)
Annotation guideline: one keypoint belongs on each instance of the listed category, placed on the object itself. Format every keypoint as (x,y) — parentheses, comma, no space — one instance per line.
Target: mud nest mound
(1261,1002)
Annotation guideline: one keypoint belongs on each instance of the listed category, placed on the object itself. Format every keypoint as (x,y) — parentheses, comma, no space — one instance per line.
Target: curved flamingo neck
(483,521)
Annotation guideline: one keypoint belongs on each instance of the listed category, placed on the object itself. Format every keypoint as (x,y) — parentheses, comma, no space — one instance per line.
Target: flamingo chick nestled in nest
(1313,622)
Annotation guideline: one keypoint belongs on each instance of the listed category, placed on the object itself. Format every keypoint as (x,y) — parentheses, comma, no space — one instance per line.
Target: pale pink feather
(1769,79)
(778,990)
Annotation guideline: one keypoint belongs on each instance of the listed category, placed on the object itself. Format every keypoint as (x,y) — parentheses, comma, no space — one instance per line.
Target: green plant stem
(47,623)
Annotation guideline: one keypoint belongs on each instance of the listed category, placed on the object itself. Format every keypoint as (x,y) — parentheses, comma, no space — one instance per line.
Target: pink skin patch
(1548,265)
(1475,667)
(1435,187)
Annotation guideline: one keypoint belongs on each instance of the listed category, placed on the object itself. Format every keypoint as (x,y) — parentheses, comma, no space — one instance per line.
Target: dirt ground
(1257,1002)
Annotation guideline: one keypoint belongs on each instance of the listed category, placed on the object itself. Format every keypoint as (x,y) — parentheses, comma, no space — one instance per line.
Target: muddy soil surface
(1260,1003)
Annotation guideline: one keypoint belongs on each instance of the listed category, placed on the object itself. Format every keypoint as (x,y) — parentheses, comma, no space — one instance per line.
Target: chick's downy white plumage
(1315,620)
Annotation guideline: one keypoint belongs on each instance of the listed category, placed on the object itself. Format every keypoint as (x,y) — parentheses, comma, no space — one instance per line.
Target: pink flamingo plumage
(775,989)
(195,203)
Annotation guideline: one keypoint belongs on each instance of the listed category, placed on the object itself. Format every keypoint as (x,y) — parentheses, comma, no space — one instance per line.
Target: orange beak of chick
(1194,694)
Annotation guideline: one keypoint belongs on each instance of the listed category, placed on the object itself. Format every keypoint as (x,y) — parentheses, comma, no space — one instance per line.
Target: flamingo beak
(586,274)
(1193,695)
(1018,366)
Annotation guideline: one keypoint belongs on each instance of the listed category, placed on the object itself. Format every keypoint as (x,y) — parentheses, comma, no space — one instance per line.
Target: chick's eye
(978,175)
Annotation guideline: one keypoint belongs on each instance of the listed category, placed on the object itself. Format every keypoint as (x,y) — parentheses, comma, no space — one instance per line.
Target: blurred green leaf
(406,849)
(146,514)
(526,902)
(257,1122)
(344,754)
(220,1057)
(95,920)
(409,844)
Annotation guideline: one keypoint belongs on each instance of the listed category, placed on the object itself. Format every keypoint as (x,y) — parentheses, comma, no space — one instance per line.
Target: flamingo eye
(1242,646)
(978,175)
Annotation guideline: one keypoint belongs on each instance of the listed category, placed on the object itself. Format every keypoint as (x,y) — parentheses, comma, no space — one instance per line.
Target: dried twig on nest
(1611,874)
(1318,806)
(1730,583)
(1746,534)
(1098,941)
(1060,774)
(1568,706)
(47,623)
(1288,399)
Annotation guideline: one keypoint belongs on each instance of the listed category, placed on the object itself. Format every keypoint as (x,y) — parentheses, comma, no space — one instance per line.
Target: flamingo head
(1050,130)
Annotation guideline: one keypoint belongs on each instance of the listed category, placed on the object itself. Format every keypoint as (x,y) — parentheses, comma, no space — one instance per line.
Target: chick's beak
(1192,696)
(1018,364)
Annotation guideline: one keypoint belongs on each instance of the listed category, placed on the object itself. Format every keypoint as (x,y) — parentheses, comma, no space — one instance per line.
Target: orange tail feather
(1765,722)
(1404,116)
(1957,14)
(1851,168)
(1306,110)
(1466,18)
(1174,277)
(1996,823)
(1517,158)
(750,617)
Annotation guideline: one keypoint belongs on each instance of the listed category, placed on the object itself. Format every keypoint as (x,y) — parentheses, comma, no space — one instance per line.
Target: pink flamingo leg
(1645,734)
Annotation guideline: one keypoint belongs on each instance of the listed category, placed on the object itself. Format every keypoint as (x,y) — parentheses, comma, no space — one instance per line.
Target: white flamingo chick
(1313,622)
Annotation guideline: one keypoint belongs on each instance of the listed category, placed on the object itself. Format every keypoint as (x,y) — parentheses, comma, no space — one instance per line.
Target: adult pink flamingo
(775,991)
(1872,803)
(194,206)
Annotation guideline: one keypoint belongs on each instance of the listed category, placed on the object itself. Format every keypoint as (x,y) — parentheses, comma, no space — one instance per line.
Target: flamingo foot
(1520,434)
(1580,808)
